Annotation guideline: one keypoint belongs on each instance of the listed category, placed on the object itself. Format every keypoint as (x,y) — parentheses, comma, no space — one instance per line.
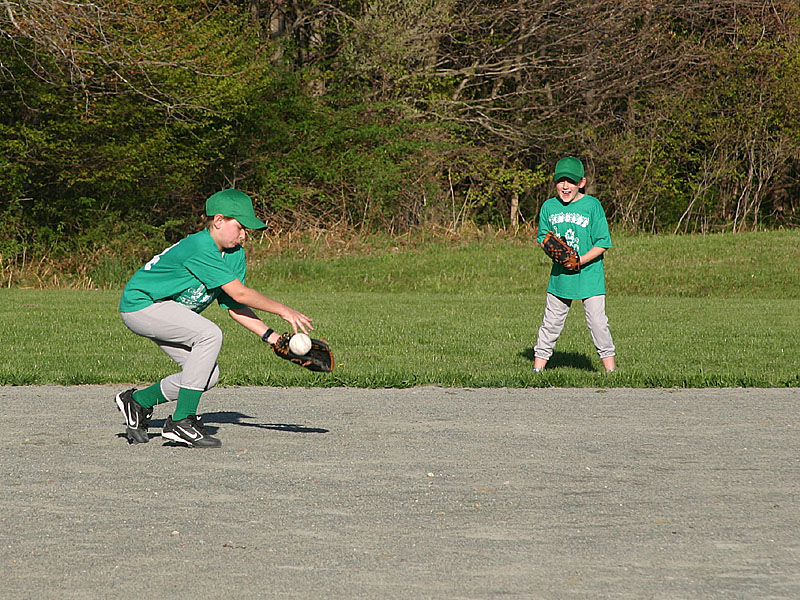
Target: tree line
(119,117)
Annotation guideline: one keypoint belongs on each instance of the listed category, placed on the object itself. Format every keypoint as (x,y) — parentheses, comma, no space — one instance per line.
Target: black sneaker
(137,417)
(186,431)
(197,421)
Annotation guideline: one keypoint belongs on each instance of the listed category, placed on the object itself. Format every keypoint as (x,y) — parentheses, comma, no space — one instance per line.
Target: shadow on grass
(573,360)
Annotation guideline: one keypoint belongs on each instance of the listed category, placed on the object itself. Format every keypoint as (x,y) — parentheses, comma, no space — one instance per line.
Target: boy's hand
(297,320)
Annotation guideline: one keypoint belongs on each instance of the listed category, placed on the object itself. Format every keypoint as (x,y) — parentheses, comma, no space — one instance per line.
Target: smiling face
(227,232)
(569,191)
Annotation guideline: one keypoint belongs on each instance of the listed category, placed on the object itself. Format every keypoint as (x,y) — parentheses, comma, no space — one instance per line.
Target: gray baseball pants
(555,315)
(189,339)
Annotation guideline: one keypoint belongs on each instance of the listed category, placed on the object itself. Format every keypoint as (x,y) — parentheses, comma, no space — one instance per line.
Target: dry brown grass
(80,270)
(326,243)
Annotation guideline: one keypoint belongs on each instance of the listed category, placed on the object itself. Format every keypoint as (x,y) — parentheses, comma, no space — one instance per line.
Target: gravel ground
(418,493)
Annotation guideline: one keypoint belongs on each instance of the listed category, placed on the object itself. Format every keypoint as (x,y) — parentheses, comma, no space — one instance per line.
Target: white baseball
(300,344)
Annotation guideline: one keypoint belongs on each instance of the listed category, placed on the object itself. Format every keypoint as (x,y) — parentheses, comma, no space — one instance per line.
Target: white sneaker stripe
(195,435)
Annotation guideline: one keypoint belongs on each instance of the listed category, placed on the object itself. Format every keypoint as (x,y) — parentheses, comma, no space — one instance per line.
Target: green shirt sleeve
(601,236)
(239,266)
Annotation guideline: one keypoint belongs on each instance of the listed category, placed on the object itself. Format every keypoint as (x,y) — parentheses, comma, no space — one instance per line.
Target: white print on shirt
(572,240)
(197,298)
(576,218)
(157,258)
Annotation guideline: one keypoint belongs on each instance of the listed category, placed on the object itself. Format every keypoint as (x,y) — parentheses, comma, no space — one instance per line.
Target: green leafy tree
(117,112)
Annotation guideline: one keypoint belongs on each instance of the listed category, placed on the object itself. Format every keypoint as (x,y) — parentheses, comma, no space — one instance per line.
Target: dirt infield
(418,493)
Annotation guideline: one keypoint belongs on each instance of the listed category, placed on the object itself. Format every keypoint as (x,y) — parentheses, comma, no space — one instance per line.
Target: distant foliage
(119,117)
(118,111)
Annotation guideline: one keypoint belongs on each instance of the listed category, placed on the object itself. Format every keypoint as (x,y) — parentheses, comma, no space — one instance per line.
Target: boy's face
(228,232)
(567,190)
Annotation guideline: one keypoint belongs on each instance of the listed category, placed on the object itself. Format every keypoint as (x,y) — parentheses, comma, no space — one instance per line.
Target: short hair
(210,220)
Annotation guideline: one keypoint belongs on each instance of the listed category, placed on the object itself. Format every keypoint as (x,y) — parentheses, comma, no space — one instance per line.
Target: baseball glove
(556,247)
(319,358)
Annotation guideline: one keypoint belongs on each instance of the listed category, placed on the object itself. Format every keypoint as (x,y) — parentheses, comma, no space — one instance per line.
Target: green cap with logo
(569,168)
(236,204)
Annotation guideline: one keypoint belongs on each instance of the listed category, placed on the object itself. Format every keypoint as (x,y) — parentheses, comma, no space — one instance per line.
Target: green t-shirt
(583,224)
(191,272)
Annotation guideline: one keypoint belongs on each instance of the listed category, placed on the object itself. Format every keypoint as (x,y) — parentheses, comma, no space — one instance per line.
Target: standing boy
(580,220)
(163,301)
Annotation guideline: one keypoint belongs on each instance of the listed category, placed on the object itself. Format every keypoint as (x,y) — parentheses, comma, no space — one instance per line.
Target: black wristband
(267,333)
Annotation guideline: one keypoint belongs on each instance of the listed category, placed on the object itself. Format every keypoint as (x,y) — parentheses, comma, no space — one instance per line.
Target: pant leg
(555,315)
(189,339)
(170,385)
(597,322)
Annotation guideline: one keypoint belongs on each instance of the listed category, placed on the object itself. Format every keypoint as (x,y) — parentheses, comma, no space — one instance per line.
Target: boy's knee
(213,378)
(211,335)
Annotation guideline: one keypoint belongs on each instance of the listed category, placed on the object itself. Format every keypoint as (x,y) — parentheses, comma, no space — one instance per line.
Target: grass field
(689,311)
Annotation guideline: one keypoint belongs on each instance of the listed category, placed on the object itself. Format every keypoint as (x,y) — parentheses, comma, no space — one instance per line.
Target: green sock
(149,396)
(187,403)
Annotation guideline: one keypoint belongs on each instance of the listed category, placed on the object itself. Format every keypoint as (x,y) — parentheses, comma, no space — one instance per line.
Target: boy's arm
(592,254)
(543,226)
(242,294)
(245,317)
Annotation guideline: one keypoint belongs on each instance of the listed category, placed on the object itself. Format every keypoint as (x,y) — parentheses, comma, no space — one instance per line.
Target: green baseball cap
(569,168)
(236,204)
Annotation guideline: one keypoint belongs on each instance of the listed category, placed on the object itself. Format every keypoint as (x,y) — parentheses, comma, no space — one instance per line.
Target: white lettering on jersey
(157,258)
(572,240)
(574,218)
